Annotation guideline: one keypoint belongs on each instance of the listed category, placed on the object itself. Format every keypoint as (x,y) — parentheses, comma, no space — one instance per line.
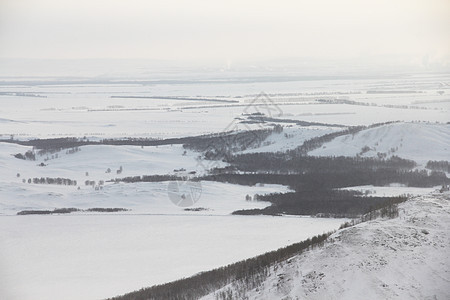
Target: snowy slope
(417,141)
(144,197)
(216,198)
(291,138)
(99,256)
(403,258)
(96,160)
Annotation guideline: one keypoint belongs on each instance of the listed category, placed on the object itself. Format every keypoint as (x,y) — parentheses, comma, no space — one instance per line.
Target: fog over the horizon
(413,32)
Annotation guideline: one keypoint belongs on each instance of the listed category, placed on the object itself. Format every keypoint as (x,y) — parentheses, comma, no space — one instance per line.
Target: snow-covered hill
(417,141)
(290,138)
(403,258)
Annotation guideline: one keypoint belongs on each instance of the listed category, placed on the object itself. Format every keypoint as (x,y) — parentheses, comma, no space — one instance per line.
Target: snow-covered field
(402,258)
(99,256)
(91,255)
(139,198)
(65,105)
(96,160)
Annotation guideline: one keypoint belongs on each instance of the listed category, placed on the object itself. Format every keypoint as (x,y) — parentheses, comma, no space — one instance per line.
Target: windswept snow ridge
(402,258)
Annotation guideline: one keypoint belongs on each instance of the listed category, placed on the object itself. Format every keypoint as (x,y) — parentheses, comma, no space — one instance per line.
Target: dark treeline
(252,270)
(178,98)
(48,180)
(260,118)
(107,209)
(315,194)
(338,179)
(58,144)
(29,155)
(323,203)
(441,165)
(70,210)
(52,144)
(149,178)
(284,163)
(201,142)
(311,181)
(225,144)
(54,150)
(48,212)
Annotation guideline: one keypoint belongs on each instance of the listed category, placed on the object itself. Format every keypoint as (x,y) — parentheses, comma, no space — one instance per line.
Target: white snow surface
(420,142)
(139,198)
(100,256)
(393,190)
(143,197)
(93,256)
(96,159)
(403,258)
(89,110)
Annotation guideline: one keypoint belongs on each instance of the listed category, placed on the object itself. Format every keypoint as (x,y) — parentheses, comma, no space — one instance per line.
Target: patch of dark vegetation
(46,146)
(314,181)
(287,164)
(101,209)
(264,119)
(237,140)
(29,155)
(178,98)
(222,145)
(48,180)
(149,178)
(392,92)
(22,94)
(352,102)
(53,145)
(68,211)
(196,209)
(441,165)
(327,203)
(48,212)
(49,151)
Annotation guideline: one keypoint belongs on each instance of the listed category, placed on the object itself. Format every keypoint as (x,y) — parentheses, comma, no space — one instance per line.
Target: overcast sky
(418,30)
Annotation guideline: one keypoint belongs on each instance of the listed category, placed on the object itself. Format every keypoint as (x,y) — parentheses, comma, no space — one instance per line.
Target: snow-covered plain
(91,255)
(139,198)
(97,159)
(59,114)
(99,256)
(402,258)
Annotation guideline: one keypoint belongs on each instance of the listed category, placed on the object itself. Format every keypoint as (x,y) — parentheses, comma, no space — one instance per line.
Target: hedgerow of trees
(49,180)
(441,165)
